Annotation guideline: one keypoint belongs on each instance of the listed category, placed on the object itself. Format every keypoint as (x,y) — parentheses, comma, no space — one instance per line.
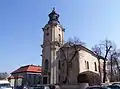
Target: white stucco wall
(12,82)
(85,56)
(59,31)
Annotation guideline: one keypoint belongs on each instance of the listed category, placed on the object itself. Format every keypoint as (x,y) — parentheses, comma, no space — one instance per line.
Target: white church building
(54,64)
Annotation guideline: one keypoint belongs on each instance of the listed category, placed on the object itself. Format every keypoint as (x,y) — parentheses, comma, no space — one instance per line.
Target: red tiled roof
(28,68)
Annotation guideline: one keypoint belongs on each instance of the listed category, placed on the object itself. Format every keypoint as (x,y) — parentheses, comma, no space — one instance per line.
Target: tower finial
(54,9)
(53,16)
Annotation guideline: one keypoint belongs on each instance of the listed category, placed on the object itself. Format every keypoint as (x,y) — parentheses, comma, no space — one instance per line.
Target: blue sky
(21,22)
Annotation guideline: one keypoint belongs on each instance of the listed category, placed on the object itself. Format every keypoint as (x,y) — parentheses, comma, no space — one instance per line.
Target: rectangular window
(59,38)
(87,65)
(46,65)
(95,66)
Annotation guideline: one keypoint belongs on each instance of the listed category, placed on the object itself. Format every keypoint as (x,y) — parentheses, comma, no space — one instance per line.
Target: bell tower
(52,40)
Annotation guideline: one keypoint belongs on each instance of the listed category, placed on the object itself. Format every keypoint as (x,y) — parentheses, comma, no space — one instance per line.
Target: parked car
(97,87)
(105,84)
(40,87)
(116,83)
(51,86)
(4,84)
(114,86)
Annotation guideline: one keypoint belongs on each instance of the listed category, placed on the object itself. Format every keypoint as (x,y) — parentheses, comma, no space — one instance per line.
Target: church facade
(54,65)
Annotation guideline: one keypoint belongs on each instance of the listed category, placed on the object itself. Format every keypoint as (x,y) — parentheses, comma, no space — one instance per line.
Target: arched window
(87,65)
(46,64)
(59,38)
(47,31)
(47,28)
(95,66)
(59,29)
(47,34)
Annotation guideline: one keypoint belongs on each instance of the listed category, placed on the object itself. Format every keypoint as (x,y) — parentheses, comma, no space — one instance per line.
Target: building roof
(83,48)
(28,68)
(14,77)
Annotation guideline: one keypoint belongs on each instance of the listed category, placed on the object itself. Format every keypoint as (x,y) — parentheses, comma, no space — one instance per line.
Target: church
(63,63)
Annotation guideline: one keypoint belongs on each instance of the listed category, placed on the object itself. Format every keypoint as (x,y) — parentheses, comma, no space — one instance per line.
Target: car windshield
(4,85)
(97,88)
(116,84)
(114,87)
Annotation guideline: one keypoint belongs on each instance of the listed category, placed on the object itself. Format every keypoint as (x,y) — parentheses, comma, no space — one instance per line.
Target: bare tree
(76,41)
(112,63)
(116,58)
(105,47)
(3,75)
(68,56)
(97,50)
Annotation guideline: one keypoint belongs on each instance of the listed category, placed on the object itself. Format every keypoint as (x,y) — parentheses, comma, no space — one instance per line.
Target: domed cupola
(53,17)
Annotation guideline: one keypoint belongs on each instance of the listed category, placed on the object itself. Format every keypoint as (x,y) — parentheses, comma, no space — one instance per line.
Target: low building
(26,75)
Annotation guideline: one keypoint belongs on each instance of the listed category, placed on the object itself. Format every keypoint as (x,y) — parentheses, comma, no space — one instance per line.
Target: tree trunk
(104,71)
(67,74)
(104,65)
(99,69)
(66,81)
(67,65)
(118,68)
(111,70)
(104,68)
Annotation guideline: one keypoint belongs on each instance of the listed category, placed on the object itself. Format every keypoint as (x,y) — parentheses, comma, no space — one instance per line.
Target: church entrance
(45,80)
